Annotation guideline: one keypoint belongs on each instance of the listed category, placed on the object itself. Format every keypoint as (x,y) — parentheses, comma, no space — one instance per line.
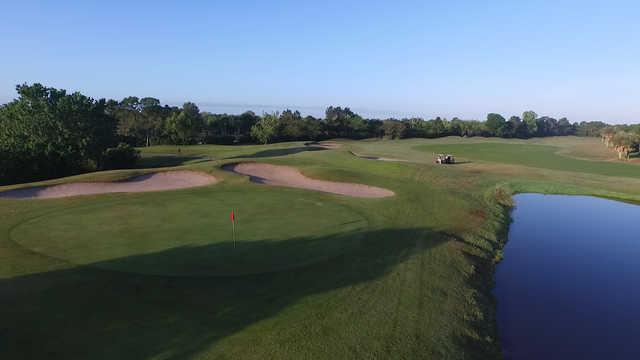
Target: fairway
(540,156)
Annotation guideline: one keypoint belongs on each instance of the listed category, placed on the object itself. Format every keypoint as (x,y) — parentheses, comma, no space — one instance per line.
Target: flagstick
(234,229)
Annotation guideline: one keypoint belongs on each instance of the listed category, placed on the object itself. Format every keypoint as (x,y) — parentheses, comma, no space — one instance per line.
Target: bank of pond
(568,286)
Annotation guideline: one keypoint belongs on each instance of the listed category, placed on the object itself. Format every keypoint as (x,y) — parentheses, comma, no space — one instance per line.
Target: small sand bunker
(378,158)
(327,145)
(169,180)
(291,177)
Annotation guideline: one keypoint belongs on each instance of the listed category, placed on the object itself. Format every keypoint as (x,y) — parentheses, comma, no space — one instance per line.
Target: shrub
(121,157)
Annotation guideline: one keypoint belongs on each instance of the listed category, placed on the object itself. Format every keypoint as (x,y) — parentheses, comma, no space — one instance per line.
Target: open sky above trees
(574,59)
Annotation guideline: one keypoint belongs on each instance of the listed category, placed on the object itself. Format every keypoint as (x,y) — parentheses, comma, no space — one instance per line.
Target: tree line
(144,122)
(47,132)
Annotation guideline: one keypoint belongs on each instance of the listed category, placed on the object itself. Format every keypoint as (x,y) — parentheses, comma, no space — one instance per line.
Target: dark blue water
(569,284)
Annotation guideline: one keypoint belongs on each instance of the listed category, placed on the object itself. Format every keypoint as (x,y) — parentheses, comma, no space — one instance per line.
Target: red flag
(233,216)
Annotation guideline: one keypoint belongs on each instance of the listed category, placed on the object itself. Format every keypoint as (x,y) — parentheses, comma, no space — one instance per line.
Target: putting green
(189,233)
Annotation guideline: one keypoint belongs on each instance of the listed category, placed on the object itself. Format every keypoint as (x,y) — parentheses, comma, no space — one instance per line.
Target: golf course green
(194,222)
(158,275)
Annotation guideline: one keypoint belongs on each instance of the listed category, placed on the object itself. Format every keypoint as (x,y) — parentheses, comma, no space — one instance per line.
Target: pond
(569,284)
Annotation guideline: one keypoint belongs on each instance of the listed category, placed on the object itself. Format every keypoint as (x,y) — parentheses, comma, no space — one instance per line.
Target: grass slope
(314,275)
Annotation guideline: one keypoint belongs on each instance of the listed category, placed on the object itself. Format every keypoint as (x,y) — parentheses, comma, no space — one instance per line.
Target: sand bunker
(169,180)
(327,145)
(291,177)
(378,158)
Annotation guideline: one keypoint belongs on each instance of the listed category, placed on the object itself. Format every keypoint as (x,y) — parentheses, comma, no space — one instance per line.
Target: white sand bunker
(169,180)
(291,177)
(327,145)
(378,158)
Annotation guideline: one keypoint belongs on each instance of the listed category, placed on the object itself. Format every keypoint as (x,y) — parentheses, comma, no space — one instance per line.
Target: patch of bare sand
(169,180)
(291,177)
(327,145)
(378,158)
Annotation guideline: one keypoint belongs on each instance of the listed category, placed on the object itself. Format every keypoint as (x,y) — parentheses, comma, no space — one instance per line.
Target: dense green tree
(546,126)
(415,127)
(154,116)
(394,129)
(494,123)
(123,156)
(241,125)
(185,126)
(589,128)
(344,123)
(47,133)
(128,113)
(456,127)
(313,128)
(436,127)
(510,127)
(474,128)
(140,121)
(265,130)
(228,129)
(291,126)
(374,128)
(515,128)
(564,127)
(529,118)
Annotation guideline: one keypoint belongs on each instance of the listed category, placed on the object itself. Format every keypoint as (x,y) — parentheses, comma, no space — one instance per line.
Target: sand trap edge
(156,181)
(287,176)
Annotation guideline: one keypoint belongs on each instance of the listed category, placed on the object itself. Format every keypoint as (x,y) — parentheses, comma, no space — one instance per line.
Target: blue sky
(579,59)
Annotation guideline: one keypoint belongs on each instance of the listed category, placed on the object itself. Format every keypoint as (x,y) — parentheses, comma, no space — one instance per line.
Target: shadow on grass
(279,152)
(85,312)
(457,163)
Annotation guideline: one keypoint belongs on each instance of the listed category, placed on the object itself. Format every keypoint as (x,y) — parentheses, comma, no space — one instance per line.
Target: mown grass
(314,275)
(198,218)
(540,156)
